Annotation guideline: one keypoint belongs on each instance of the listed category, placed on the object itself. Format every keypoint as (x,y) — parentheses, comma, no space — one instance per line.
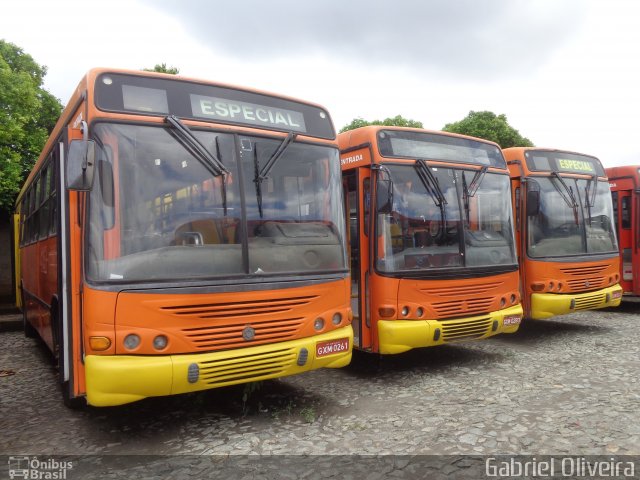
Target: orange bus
(179,235)
(433,256)
(625,188)
(564,228)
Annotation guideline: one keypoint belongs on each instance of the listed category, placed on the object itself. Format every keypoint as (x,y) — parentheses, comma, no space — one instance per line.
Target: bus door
(358,195)
(622,204)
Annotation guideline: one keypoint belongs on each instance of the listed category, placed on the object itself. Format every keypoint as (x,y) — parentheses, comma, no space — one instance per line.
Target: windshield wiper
(199,151)
(471,190)
(590,193)
(209,160)
(432,186)
(570,200)
(262,173)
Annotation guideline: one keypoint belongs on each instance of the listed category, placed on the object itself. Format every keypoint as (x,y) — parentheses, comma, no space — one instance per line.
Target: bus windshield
(158,212)
(467,224)
(575,217)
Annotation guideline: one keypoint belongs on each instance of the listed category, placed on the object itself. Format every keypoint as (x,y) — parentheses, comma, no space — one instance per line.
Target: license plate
(332,347)
(508,321)
(617,294)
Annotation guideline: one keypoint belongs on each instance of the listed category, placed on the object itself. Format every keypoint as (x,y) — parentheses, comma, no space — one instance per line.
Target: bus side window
(626,212)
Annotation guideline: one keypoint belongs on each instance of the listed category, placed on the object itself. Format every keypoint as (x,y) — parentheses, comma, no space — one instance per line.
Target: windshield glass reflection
(471,227)
(157,212)
(571,219)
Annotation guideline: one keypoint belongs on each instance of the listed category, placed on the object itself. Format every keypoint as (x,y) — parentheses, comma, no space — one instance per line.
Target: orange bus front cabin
(432,249)
(625,193)
(178,235)
(565,232)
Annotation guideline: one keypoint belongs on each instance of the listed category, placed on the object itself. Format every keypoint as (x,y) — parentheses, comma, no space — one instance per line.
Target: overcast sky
(566,73)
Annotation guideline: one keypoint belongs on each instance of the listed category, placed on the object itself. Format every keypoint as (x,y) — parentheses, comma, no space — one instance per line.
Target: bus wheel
(74,403)
(29,330)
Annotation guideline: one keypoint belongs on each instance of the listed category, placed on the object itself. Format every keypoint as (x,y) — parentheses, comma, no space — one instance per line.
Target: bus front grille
(239,309)
(457,308)
(586,284)
(589,302)
(583,271)
(248,333)
(455,291)
(453,331)
(246,368)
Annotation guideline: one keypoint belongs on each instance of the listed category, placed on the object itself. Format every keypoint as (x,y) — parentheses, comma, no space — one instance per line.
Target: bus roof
(85,91)
(362,135)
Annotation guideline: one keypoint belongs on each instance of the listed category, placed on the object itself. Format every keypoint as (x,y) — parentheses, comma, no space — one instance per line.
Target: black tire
(74,403)
(29,330)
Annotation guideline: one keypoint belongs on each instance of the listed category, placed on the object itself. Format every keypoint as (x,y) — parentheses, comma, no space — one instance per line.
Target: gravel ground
(563,387)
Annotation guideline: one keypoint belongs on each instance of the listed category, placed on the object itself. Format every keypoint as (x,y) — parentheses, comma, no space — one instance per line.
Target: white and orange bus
(624,182)
(432,251)
(177,235)
(564,226)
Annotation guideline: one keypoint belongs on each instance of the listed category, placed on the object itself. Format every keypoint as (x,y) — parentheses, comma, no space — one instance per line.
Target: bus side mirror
(80,165)
(533,203)
(384,196)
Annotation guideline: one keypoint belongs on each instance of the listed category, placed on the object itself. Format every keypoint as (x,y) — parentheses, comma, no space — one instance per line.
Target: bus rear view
(432,248)
(568,248)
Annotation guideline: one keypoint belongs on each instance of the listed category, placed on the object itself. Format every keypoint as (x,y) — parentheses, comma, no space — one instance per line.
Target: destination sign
(575,165)
(142,94)
(566,162)
(250,113)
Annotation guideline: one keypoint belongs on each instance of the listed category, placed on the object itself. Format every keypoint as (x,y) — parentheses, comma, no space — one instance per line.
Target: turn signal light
(99,343)
(537,286)
(387,312)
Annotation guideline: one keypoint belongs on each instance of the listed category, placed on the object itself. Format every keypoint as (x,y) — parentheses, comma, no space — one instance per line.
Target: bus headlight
(337,318)
(160,342)
(131,341)
(318,324)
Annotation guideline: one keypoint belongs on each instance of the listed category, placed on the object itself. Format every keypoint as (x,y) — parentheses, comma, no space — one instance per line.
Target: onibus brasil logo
(34,468)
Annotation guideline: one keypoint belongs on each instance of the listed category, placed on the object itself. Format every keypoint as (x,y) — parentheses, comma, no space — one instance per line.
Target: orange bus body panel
(431,304)
(585,284)
(216,325)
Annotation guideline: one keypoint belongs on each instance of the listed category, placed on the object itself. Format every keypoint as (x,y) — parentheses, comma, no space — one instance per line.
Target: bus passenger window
(626,212)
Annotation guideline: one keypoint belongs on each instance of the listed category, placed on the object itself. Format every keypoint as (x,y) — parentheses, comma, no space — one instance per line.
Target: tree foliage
(162,68)
(489,126)
(28,114)
(397,121)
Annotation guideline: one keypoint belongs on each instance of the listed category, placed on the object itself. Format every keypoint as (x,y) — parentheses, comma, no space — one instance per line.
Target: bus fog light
(131,341)
(337,318)
(318,324)
(160,342)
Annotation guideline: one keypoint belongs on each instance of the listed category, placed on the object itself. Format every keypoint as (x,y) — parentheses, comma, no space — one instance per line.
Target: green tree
(162,68)
(28,114)
(397,121)
(489,126)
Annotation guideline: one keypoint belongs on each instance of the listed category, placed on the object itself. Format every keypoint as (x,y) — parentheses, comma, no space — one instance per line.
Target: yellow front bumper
(547,305)
(119,379)
(397,336)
